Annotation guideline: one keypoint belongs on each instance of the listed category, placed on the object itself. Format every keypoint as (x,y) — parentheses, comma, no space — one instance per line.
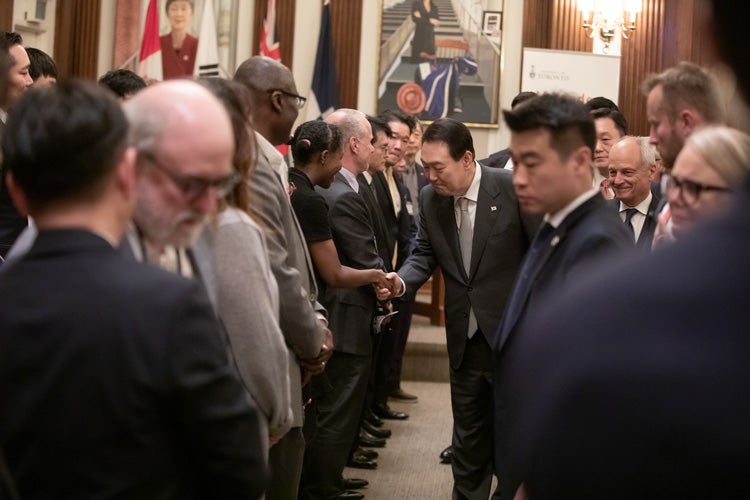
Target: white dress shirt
(638,218)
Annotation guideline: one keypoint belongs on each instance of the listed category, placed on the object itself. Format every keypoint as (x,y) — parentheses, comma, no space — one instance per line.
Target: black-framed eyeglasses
(194,187)
(690,191)
(299,100)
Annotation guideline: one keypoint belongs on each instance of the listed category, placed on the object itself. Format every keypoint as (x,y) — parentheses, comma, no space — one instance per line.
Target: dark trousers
(401,334)
(339,411)
(285,464)
(471,402)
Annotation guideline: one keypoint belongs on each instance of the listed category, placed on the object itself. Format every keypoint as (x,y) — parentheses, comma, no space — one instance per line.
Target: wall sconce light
(605,17)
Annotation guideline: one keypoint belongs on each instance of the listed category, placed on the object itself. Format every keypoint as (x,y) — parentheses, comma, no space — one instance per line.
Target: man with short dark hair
(632,167)
(470,225)
(649,403)
(275,105)
(124,83)
(118,380)
(12,223)
(43,69)
(552,140)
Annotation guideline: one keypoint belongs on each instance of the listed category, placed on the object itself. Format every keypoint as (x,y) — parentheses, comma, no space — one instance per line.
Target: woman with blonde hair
(713,163)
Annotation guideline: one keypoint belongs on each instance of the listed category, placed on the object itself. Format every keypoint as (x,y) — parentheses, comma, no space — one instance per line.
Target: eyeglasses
(300,101)
(690,191)
(194,187)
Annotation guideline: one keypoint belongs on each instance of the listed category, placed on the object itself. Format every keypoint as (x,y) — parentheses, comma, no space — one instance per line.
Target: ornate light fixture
(606,17)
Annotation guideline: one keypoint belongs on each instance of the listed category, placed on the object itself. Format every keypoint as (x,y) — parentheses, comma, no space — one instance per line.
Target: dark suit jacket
(590,232)
(118,381)
(646,237)
(497,160)
(350,310)
(399,227)
(382,235)
(501,237)
(12,223)
(633,381)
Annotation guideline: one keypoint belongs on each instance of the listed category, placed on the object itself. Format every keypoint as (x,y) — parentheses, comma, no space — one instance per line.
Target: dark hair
(452,132)
(11,38)
(523,96)
(63,142)
(396,115)
(314,137)
(5,65)
(170,2)
(122,82)
(568,121)
(41,64)
(378,125)
(600,102)
(234,98)
(621,124)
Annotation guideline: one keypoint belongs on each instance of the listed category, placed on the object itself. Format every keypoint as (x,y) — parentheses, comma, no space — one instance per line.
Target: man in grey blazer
(469,225)
(275,105)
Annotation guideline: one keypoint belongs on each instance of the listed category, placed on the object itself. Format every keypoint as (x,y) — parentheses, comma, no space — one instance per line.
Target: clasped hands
(387,286)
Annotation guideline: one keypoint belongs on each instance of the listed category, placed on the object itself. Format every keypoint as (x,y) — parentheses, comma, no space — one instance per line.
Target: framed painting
(436,60)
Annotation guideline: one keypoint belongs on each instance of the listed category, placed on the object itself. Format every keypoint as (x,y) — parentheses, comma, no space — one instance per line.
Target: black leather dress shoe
(366,453)
(355,483)
(378,433)
(383,411)
(373,419)
(446,456)
(367,439)
(348,495)
(361,463)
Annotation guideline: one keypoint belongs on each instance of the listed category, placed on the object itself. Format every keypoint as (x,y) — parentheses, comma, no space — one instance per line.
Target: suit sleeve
(246,308)
(297,317)
(353,233)
(420,265)
(216,419)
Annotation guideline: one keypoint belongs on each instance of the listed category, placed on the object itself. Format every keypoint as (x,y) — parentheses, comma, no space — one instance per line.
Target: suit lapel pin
(493,208)
(555,241)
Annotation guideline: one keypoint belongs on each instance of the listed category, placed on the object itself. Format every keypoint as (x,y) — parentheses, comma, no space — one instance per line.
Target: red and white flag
(269,45)
(149,59)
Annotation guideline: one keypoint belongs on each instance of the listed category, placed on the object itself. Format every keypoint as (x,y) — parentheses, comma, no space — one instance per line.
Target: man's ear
(17,195)
(467,158)
(582,159)
(652,172)
(275,100)
(687,121)
(125,175)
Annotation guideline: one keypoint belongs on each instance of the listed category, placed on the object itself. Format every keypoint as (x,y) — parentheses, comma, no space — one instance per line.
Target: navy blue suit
(590,232)
(645,398)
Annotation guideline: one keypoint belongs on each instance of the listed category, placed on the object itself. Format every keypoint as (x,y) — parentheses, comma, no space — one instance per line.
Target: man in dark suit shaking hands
(552,141)
(114,378)
(470,225)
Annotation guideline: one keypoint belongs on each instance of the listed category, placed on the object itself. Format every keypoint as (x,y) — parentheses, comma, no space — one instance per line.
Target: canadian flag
(149,59)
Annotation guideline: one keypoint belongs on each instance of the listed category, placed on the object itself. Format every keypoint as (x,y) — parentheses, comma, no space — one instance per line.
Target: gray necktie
(465,238)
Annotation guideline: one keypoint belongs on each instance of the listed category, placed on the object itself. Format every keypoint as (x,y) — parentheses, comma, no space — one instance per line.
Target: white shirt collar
(642,207)
(368,176)
(558,217)
(351,179)
(473,192)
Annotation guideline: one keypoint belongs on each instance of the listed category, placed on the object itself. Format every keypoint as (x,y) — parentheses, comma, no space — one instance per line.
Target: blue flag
(325,89)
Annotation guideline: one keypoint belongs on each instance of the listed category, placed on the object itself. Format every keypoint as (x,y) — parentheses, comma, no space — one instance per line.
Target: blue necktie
(528,268)
(629,213)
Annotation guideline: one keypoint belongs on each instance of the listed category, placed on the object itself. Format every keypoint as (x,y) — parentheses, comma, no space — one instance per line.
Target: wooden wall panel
(641,55)
(77,38)
(346,28)
(537,24)
(6,15)
(285,12)
(567,33)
